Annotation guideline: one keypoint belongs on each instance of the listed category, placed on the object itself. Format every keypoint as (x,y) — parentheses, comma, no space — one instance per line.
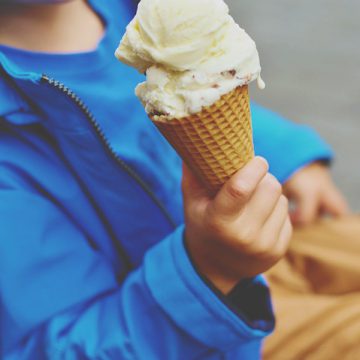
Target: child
(96,258)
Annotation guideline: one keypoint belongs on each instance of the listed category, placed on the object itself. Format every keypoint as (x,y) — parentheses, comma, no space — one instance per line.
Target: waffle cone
(217,141)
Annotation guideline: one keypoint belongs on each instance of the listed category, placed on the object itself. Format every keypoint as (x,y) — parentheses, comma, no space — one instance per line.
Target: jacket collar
(14,107)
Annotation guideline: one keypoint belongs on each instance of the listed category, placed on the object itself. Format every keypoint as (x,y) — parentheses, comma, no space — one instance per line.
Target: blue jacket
(92,261)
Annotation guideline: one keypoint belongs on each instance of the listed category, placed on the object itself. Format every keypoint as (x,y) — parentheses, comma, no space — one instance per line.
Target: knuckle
(263,163)
(239,190)
(273,185)
(284,202)
(260,165)
(249,236)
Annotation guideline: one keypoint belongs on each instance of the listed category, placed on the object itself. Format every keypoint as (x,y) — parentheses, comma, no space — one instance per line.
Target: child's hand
(240,233)
(314,193)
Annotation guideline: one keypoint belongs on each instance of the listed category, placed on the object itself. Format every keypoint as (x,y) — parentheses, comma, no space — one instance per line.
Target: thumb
(236,192)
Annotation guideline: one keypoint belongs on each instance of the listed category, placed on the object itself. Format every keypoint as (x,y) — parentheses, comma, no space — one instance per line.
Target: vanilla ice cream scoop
(192,52)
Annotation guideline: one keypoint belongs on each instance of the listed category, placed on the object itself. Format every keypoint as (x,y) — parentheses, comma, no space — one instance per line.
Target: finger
(264,200)
(192,188)
(236,192)
(273,227)
(334,203)
(307,209)
(281,246)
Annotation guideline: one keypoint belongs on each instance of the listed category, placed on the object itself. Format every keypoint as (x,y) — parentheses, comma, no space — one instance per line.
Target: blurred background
(310,55)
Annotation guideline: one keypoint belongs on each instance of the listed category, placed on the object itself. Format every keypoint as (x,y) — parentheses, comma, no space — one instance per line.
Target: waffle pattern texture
(217,141)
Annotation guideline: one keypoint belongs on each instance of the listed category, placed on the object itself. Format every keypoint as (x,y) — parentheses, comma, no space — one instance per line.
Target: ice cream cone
(217,141)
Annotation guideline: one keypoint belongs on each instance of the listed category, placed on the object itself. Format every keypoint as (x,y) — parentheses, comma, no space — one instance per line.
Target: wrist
(206,263)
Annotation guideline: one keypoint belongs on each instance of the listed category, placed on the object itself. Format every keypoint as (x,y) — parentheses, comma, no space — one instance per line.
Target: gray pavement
(310,54)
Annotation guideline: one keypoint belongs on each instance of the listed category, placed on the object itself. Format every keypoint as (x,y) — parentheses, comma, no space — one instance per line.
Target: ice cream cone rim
(158,116)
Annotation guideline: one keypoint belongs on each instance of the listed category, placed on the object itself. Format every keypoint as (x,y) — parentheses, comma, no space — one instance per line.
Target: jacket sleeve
(61,300)
(286,145)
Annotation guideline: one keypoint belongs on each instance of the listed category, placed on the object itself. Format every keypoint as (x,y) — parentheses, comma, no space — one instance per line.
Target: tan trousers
(316,295)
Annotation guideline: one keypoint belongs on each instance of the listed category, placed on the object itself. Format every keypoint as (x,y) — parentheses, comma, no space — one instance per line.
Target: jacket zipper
(104,140)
